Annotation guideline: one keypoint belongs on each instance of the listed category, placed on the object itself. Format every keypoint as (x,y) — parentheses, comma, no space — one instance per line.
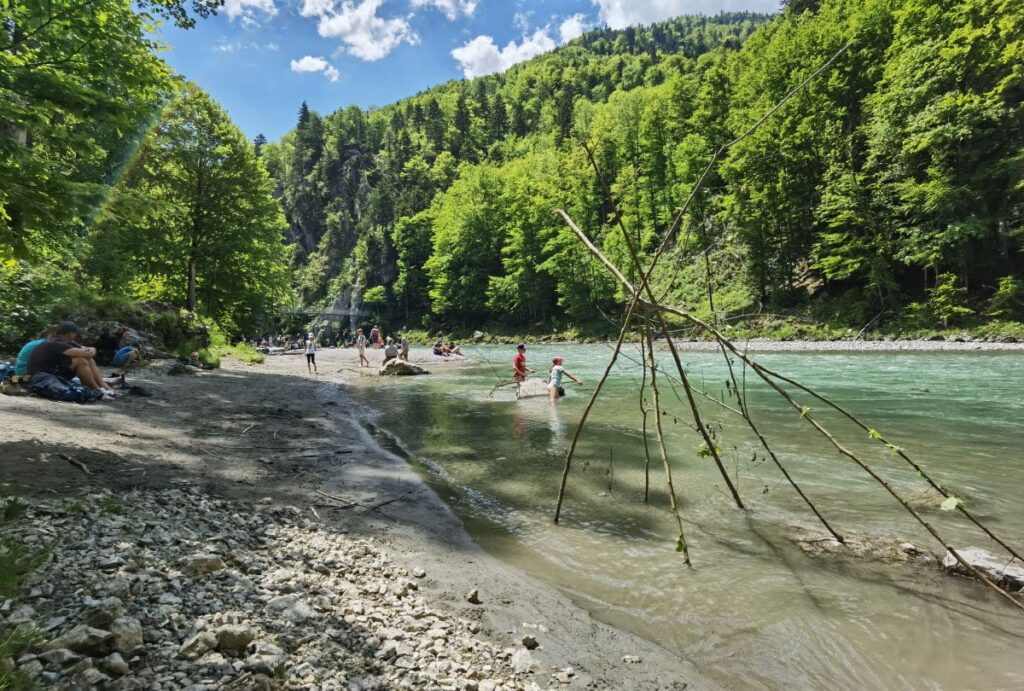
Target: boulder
(1001,570)
(401,368)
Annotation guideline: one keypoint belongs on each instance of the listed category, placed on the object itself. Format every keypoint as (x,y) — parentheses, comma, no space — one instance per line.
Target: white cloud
(250,12)
(273,46)
(481,56)
(364,34)
(571,28)
(316,64)
(618,14)
(451,8)
(521,20)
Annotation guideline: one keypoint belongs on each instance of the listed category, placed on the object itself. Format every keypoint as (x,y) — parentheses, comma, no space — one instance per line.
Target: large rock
(1002,570)
(401,368)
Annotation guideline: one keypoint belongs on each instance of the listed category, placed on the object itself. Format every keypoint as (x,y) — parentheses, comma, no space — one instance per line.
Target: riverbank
(253,533)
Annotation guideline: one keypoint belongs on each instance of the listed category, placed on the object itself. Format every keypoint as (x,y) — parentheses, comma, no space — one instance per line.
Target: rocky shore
(172,589)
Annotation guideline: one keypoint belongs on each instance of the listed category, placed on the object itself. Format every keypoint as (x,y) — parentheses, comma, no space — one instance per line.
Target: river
(754,611)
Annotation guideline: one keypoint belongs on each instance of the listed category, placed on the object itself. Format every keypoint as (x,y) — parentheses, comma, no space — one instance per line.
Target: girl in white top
(310,354)
(555,390)
(361,347)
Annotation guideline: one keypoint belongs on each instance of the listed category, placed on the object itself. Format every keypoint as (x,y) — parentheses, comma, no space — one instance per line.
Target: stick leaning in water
(804,413)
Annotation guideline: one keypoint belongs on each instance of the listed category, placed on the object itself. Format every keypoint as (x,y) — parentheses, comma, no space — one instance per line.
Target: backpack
(51,386)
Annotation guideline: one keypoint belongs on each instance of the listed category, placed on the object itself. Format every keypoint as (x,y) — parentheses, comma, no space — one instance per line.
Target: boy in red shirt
(519,368)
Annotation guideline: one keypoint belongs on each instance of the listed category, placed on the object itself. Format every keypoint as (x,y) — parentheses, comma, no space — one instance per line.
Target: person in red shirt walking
(519,368)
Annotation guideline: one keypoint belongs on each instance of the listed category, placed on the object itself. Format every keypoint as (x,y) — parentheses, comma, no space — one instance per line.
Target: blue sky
(261,58)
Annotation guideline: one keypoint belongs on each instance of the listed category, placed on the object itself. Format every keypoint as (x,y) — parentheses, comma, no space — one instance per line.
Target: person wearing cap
(310,353)
(519,368)
(63,357)
(555,388)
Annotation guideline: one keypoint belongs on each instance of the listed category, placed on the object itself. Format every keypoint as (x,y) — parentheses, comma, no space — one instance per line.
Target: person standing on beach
(311,354)
(375,336)
(361,347)
(519,368)
(555,388)
(403,347)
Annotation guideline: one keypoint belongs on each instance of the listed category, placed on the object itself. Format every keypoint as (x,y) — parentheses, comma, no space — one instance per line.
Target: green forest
(887,195)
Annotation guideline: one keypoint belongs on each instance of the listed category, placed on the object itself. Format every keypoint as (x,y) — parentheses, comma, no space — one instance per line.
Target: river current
(754,611)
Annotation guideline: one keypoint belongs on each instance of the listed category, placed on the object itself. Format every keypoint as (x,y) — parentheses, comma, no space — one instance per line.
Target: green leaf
(679,544)
(950,503)
(873,434)
(893,448)
(804,410)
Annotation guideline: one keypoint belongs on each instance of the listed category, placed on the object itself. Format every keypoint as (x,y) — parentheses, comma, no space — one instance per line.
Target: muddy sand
(272,434)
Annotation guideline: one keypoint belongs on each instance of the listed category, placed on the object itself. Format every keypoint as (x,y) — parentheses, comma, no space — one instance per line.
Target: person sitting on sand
(439,349)
(64,358)
(127,357)
(311,354)
(361,347)
(519,368)
(21,364)
(390,350)
(454,349)
(555,388)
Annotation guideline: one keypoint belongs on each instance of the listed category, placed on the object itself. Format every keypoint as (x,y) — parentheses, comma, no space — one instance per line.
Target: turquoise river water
(755,611)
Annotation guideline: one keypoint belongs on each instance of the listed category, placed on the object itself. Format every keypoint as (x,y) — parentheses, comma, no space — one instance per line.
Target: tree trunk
(190,303)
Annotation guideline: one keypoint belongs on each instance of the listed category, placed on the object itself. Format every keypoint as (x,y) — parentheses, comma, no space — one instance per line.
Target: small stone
(83,639)
(529,642)
(631,659)
(197,646)
(418,572)
(291,608)
(522,661)
(127,634)
(92,677)
(234,638)
(114,665)
(562,677)
(473,597)
(101,614)
(59,657)
(200,564)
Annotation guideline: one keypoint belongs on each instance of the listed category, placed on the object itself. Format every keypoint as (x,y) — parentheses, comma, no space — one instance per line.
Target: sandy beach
(269,437)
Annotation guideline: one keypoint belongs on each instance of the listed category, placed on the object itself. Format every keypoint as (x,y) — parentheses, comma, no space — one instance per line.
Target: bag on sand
(54,388)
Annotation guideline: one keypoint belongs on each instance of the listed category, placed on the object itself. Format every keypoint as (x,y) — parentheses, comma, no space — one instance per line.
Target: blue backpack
(54,388)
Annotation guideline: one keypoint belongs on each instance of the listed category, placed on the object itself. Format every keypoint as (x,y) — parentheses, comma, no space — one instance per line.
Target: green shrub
(1008,300)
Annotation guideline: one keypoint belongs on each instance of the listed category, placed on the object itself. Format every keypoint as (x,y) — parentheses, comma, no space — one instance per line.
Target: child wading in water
(519,368)
(555,388)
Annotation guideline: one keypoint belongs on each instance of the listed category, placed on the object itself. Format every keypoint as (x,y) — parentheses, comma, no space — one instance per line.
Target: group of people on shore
(555,374)
(55,365)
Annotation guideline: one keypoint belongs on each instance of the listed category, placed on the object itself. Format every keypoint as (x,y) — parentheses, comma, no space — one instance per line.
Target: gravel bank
(255,536)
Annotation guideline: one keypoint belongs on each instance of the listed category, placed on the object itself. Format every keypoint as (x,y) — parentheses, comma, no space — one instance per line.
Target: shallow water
(754,611)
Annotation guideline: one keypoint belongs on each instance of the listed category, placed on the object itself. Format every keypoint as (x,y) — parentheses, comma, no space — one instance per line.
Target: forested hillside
(891,190)
(125,192)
